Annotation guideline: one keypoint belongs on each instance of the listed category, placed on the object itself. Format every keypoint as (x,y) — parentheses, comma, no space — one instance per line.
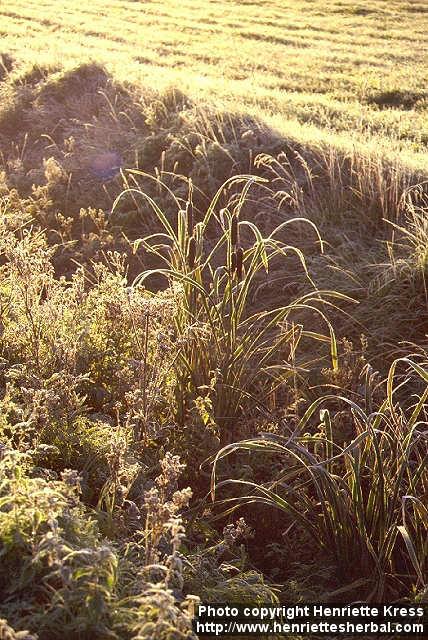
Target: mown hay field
(310,68)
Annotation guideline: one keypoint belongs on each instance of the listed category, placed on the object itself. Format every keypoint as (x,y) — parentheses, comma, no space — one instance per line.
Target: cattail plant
(222,337)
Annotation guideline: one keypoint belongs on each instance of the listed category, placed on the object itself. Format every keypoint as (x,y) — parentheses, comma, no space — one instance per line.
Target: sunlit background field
(213,310)
(339,67)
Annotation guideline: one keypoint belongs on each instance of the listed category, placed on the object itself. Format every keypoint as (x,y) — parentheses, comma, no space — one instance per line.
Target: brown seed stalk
(239,262)
(191,252)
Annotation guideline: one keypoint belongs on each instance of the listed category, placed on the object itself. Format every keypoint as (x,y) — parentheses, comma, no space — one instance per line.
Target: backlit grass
(330,68)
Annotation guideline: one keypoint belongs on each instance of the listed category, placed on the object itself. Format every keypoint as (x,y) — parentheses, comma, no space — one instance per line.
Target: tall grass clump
(327,185)
(227,348)
(360,501)
(409,244)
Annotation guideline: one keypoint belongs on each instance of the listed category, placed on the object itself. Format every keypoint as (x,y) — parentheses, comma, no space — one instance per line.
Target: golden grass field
(313,70)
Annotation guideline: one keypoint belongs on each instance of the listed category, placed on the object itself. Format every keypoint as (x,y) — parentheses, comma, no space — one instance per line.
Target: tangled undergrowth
(207,317)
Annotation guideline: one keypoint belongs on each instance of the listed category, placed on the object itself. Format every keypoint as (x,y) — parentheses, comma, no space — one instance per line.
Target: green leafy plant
(57,572)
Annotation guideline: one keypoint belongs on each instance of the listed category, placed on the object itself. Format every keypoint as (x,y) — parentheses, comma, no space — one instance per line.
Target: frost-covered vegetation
(213,361)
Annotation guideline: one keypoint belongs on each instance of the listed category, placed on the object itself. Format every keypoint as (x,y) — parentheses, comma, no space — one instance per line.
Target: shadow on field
(76,130)
(68,138)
